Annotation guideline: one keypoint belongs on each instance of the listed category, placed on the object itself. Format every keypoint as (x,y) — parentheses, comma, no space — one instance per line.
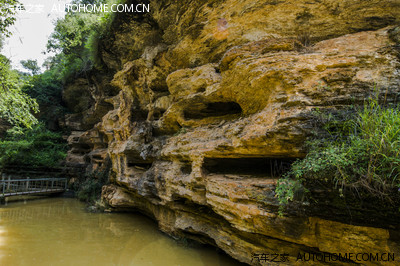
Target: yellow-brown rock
(211,100)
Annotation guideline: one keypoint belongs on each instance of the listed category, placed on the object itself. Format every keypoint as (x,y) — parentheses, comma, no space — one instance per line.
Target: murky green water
(58,231)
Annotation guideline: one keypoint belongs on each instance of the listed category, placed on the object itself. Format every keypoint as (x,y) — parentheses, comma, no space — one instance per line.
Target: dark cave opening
(141,165)
(213,109)
(271,167)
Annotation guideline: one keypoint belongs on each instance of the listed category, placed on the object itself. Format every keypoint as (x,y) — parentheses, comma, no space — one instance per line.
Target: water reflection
(59,232)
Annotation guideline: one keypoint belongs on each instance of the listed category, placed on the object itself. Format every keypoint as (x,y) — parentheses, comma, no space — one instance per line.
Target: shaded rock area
(205,103)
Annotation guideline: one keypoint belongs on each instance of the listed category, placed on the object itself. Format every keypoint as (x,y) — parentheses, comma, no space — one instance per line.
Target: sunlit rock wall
(204,103)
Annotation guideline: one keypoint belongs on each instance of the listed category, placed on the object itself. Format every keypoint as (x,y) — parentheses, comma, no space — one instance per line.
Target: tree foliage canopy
(35,147)
(15,106)
(7,15)
(31,65)
(75,40)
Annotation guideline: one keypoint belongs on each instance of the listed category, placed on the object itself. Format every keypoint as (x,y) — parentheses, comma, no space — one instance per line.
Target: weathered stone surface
(210,101)
(200,32)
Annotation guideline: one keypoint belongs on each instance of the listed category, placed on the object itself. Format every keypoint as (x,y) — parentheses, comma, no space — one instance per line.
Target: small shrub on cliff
(357,153)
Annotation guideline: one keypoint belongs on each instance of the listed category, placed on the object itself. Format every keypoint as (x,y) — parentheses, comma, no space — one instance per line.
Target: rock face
(210,101)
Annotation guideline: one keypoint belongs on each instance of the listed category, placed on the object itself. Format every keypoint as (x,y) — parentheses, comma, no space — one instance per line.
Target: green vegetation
(46,89)
(75,39)
(31,65)
(7,15)
(37,147)
(359,152)
(27,143)
(15,105)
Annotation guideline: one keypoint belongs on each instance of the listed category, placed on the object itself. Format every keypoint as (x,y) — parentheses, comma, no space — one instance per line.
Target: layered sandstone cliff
(202,104)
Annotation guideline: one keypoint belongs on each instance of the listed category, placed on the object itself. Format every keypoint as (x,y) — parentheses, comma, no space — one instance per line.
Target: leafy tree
(75,39)
(15,106)
(7,15)
(31,65)
(46,88)
(69,38)
(28,143)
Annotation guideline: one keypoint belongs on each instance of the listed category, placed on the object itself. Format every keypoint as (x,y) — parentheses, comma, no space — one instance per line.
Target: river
(58,231)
